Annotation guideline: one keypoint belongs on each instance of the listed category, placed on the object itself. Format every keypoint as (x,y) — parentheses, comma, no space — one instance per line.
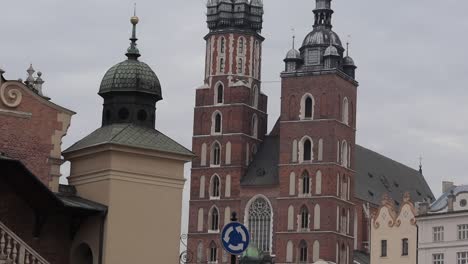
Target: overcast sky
(411,58)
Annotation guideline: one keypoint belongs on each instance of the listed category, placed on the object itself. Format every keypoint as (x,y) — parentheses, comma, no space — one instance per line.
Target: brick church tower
(317,135)
(293,187)
(230,121)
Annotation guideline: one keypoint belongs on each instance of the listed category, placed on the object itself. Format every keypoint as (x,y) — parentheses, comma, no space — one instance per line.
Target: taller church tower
(317,134)
(230,121)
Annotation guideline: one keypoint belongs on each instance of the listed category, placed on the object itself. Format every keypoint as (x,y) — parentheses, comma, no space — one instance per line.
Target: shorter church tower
(137,171)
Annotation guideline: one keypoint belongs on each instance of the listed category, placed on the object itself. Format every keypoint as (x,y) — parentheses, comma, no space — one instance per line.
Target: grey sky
(411,58)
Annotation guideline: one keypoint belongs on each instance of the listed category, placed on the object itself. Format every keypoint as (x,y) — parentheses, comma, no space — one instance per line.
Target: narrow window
(215,186)
(303,252)
(220,94)
(405,247)
(216,154)
(240,66)
(305,183)
(308,107)
(255,97)
(241,46)
(214,219)
(304,218)
(307,150)
(222,45)
(221,65)
(218,119)
(345,111)
(213,252)
(383,248)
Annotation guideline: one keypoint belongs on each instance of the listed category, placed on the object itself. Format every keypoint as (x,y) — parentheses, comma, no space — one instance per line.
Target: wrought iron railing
(13,250)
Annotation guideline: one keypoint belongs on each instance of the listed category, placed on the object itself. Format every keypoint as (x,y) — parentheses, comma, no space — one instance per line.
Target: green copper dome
(131,75)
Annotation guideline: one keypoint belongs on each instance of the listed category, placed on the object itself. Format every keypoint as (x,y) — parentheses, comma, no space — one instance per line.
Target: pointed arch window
(344,153)
(303,252)
(221,65)
(307,107)
(214,220)
(219,95)
(304,218)
(215,186)
(307,150)
(259,222)
(216,154)
(254,126)
(216,123)
(305,183)
(213,252)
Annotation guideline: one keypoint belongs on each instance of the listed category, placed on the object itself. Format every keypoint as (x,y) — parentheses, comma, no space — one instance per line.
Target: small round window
(142,115)
(463,203)
(123,113)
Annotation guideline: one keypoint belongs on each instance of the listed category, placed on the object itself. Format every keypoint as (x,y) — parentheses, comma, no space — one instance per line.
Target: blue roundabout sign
(235,238)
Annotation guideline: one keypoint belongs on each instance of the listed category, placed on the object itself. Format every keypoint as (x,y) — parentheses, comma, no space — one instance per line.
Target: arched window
(214,219)
(305,183)
(318,183)
(254,126)
(200,220)
(215,186)
(259,222)
(294,151)
(215,154)
(222,45)
(219,95)
(217,119)
(344,224)
(255,97)
(228,153)
(344,154)
(241,48)
(307,146)
(240,66)
(228,186)
(213,252)
(345,111)
(304,218)
(317,217)
(343,257)
(303,252)
(292,183)
(405,247)
(307,107)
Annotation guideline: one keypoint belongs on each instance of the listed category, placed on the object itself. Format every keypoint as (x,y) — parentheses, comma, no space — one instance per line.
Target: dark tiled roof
(72,201)
(132,136)
(442,202)
(263,170)
(377,175)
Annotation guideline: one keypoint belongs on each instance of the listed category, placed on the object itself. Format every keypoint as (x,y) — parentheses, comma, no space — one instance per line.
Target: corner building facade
(291,187)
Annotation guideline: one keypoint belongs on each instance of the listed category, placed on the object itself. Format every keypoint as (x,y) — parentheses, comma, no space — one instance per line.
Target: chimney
(450,201)
(446,186)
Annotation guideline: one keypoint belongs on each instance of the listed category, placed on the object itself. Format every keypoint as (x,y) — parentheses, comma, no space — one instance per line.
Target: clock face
(463,203)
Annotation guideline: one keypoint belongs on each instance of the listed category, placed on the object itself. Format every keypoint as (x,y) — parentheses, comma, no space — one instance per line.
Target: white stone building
(443,228)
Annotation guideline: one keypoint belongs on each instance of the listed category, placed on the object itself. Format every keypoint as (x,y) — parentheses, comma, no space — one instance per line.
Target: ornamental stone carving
(10,97)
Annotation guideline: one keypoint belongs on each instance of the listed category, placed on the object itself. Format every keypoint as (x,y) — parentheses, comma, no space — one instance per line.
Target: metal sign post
(235,238)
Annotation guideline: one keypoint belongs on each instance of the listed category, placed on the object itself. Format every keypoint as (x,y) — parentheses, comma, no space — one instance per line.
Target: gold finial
(134,20)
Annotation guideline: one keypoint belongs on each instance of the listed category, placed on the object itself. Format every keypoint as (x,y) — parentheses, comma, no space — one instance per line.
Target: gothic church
(305,189)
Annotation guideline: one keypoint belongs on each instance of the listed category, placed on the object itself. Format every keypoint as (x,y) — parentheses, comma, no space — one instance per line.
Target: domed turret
(256,3)
(293,59)
(130,89)
(331,57)
(349,67)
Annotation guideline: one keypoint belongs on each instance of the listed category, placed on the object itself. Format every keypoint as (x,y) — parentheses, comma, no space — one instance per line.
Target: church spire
(323,13)
(133,53)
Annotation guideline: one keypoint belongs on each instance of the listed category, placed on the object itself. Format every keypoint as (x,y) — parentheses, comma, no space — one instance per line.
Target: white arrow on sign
(241,231)
(228,233)
(239,247)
